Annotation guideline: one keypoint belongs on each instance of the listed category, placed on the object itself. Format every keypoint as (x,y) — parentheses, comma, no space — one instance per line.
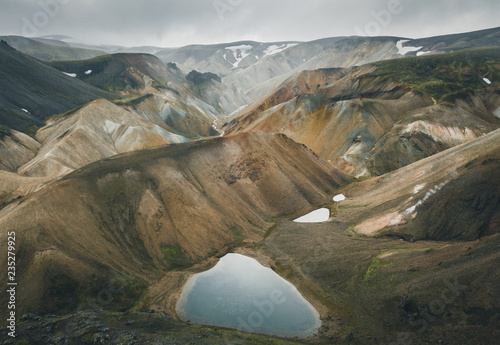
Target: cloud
(182,22)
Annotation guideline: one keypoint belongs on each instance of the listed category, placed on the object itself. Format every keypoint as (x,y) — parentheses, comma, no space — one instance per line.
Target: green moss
(237,234)
(377,264)
(132,100)
(351,231)
(374,266)
(443,77)
(175,257)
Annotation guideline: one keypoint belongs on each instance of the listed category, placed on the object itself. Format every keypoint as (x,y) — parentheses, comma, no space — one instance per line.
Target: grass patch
(350,230)
(175,257)
(377,263)
(375,266)
(237,234)
(444,77)
(270,230)
(132,100)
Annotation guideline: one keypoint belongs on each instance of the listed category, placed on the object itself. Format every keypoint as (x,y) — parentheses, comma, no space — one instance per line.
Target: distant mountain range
(138,167)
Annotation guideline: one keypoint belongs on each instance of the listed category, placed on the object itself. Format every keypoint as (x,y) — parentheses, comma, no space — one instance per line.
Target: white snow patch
(111,126)
(171,137)
(26,111)
(423,53)
(404,50)
(72,75)
(449,135)
(418,188)
(487,81)
(497,112)
(318,216)
(275,49)
(240,52)
(431,192)
(363,172)
(396,220)
(237,110)
(339,197)
(88,72)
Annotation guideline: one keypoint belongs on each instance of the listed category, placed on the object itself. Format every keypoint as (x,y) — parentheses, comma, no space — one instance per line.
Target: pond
(242,294)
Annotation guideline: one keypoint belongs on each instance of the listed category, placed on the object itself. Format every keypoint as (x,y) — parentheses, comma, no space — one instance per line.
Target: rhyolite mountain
(31,91)
(206,196)
(138,171)
(383,116)
(48,49)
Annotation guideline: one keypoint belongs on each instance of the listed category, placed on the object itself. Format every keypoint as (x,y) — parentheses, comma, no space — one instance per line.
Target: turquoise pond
(242,294)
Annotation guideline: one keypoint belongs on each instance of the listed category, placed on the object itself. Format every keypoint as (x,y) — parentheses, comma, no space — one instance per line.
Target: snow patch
(362,172)
(404,50)
(418,188)
(88,72)
(318,216)
(237,110)
(72,75)
(171,137)
(275,49)
(487,81)
(449,135)
(339,197)
(497,112)
(423,53)
(26,111)
(239,52)
(427,195)
(111,126)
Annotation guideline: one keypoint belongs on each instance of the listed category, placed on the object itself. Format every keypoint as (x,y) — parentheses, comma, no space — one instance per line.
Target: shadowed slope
(137,215)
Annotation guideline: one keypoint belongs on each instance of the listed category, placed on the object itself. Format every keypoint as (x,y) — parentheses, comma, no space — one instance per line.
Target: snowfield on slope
(319,216)
(240,52)
(275,49)
(339,197)
(405,50)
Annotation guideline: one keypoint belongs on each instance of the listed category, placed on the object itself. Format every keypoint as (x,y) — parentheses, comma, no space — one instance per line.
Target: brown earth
(134,217)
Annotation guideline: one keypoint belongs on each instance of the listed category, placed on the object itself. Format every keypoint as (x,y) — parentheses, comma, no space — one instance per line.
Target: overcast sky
(173,23)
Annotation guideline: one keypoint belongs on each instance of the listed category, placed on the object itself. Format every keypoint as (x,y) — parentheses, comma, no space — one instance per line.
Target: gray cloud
(181,22)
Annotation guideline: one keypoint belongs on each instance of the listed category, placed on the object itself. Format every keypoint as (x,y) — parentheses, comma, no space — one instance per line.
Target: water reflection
(240,293)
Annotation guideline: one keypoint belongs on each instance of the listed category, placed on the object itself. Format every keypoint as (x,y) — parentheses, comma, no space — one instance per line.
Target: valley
(126,172)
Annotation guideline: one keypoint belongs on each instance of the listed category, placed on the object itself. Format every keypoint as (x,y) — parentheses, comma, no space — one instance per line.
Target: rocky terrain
(125,173)
(32,91)
(386,115)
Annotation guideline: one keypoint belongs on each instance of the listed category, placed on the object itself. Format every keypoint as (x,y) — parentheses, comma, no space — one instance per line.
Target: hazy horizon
(178,23)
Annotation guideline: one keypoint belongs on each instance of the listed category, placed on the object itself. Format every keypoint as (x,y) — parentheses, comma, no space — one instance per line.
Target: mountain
(386,115)
(49,50)
(117,72)
(257,68)
(221,59)
(219,149)
(299,84)
(452,195)
(399,246)
(188,104)
(105,219)
(455,42)
(30,91)
(97,130)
